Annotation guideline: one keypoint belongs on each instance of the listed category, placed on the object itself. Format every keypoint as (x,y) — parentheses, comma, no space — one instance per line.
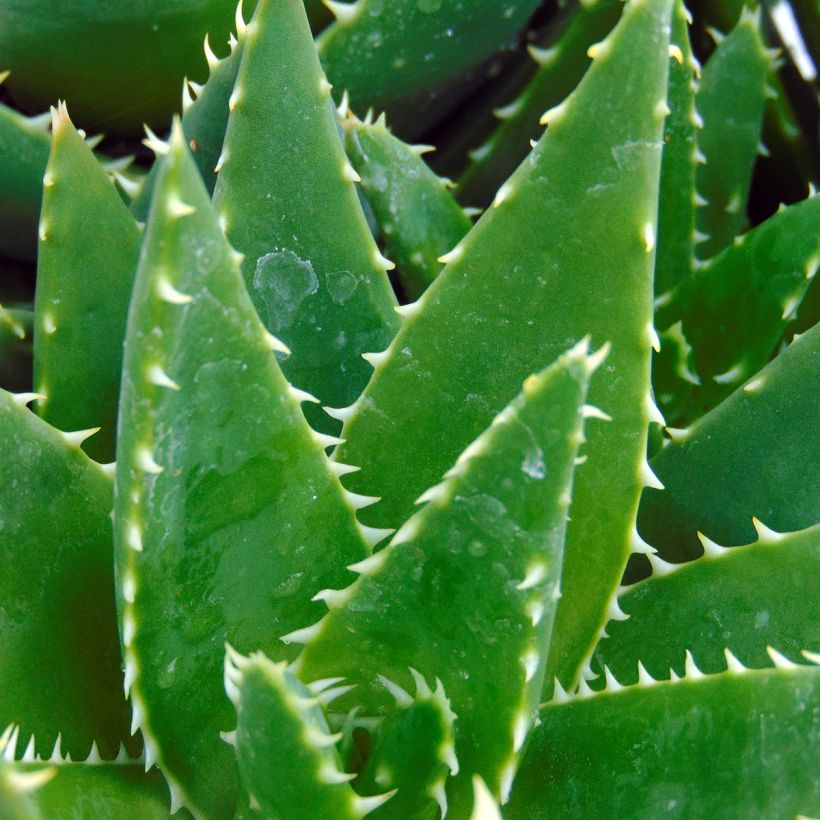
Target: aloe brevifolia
(368,558)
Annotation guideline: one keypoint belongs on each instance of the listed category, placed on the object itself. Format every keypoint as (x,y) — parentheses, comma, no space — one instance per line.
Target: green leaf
(89,246)
(413,753)
(741,598)
(204,120)
(467,588)
(379,52)
(588,196)
(735,308)
(756,454)
(59,789)
(286,753)
(117,65)
(560,67)
(228,516)
(286,198)
(676,203)
(419,219)
(24,146)
(739,745)
(59,659)
(15,349)
(730,101)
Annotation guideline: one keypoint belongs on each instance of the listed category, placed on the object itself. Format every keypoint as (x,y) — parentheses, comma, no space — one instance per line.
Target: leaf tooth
(57,751)
(382,261)
(322,740)
(130,673)
(76,438)
(211,58)
(152,141)
(530,661)
(612,683)
(653,411)
(503,194)
(345,13)
(432,494)
(406,532)
(343,109)
(507,112)
(229,737)
(691,670)
(675,53)
(370,565)
(332,598)
(376,359)
(22,399)
(402,697)
(330,775)
(615,613)
(584,690)
(779,660)
(732,663)
(439,793)
(764,534)
(349,173)
(520,731)
(176,208)
(679,433)
(598,357)
(559,694)
(536,573)
(329,695)
(301,395)
(151,751)
(342,414)
(9,744)
(374,535)
(133,537)
(711,549)
(365,805)
(129,628)
(408,310)
(177,799)
(168,293)
(220,164)
(145,461)
(452,256)
(661,567)
(535,611)
(48,324)
(599,50)
(239,20)
(590,411)
(187,96)
(157,376)
(554,114)
(649,478)
(543,56)
(644,678)
(484,804)
(324,440)
(302,636)
(638,545)
(813,657)
(422,688)
(358,501)
(339,469)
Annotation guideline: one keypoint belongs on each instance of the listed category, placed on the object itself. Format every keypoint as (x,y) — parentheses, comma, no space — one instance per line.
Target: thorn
(589,411)
(691,669)
(374,535)
(764,534)
(364,805)
(780,661)
(168,293)
(502,195)
(344,106)
(302,636)
(559,694)
(644,678)
(710,548)
(22,399)
(402,698)
(675,53)
(369,565)
(157,376)
(543,56)
(410,309)
(338,469)
(612,683)
(239,19)
(553,115)
(210,57)
(358,501)
(660,568)
(152,141)
(382,261)
(276,345)
(375,359)
(649,478)
(145,462)
(301,395)
(451,256)
(332,598)
(76,438)
(732,663)
(536,574)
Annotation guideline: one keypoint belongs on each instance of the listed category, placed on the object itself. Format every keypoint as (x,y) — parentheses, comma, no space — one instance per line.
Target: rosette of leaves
(367,558)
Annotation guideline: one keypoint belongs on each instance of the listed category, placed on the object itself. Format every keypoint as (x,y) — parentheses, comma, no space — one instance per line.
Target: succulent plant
(478,531)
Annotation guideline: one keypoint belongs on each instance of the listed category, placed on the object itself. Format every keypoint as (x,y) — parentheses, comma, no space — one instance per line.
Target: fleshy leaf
(59,658)
(378,52)
(561,65)
(467,588)
(742,744)
(228,515)
(740,598)
(60,788)
(287,755)
(735,308)
(26,140)
(286,198)
(419,219)
(730,100)
(676,204)
(89,246)
(756,454)
(414,753)
(583,266)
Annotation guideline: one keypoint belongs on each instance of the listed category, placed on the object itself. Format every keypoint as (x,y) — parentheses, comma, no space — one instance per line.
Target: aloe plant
(413,517)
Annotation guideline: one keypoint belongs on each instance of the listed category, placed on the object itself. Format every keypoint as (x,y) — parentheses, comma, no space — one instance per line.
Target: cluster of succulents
(333,487)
